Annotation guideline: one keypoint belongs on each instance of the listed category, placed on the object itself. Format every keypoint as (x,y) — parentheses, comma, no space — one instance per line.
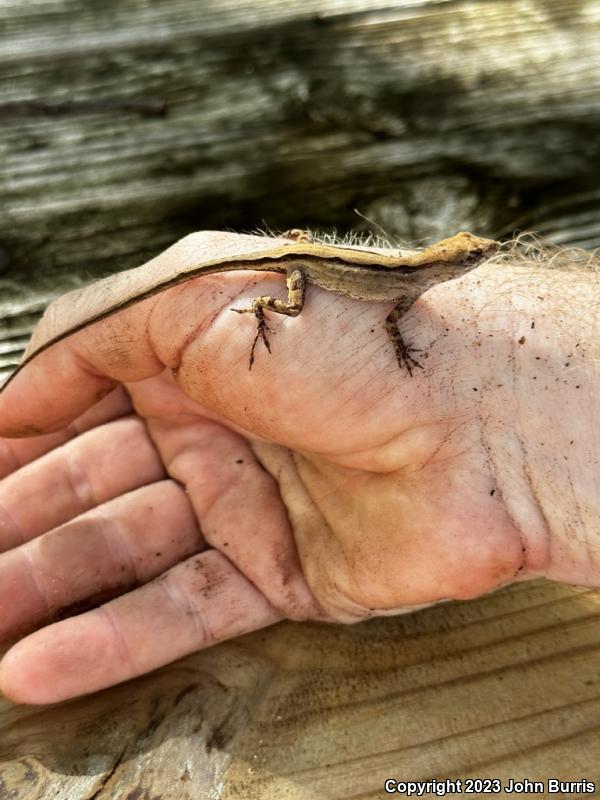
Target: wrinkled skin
(326,484)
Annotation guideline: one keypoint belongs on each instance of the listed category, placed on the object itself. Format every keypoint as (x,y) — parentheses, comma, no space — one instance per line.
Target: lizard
(362,273)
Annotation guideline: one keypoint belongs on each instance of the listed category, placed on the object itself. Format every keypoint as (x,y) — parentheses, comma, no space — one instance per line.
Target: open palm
(207,500)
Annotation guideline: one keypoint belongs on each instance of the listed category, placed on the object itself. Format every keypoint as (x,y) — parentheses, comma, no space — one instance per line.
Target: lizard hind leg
(403,351)
(296,286)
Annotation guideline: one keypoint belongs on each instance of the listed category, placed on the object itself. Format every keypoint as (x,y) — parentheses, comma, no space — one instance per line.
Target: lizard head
(465,248)
(454,257)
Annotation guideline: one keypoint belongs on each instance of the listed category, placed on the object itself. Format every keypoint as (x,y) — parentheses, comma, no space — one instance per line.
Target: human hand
(325,484)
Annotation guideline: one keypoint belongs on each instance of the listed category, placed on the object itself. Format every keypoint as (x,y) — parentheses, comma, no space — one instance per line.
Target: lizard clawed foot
(297,235)
(261,330)
(403,350)
(405,359)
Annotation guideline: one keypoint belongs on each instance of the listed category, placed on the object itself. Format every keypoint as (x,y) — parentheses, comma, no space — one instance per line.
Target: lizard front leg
(296,286)
(403,351)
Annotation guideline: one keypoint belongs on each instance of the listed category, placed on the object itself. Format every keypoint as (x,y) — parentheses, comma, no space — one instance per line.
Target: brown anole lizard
(369,274)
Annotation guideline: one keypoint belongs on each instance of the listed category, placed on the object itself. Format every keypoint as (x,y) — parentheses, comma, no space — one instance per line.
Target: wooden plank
(128,124)
(506,686)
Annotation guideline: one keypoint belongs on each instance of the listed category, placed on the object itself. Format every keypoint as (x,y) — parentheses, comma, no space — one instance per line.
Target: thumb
(72,361)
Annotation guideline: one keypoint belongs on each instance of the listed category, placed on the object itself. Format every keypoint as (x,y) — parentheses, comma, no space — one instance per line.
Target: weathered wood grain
(505,686)
(125,125)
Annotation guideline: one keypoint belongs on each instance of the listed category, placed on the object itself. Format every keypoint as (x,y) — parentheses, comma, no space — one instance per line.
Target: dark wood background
(125,125)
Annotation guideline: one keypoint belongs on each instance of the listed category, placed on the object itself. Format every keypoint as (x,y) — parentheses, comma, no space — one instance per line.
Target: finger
(307,398)
(102,463)
(238,506)
(14,453)
(90,365)
(116,348)
(99,555)
(196,604)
